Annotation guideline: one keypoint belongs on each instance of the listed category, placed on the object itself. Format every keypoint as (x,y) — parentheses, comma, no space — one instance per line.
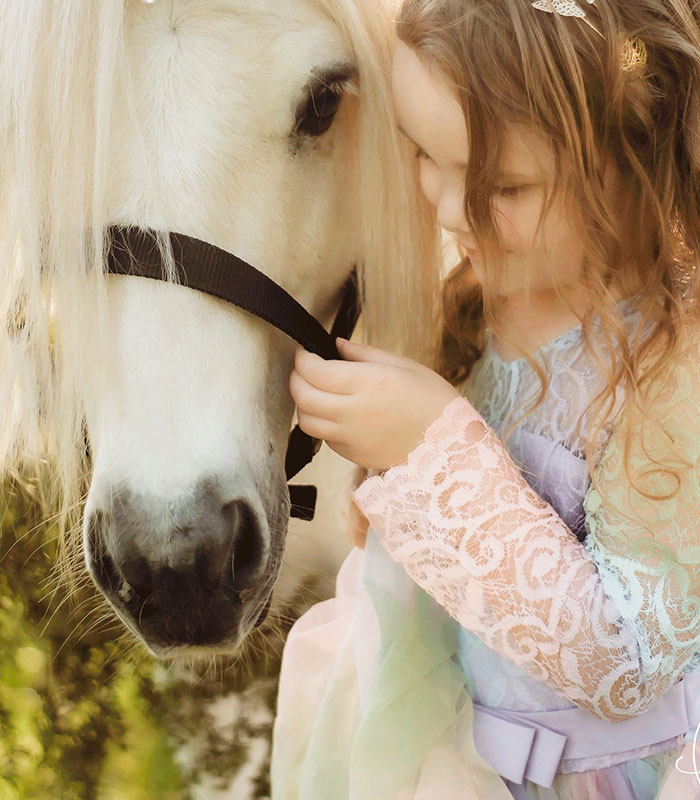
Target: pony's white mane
(62,63)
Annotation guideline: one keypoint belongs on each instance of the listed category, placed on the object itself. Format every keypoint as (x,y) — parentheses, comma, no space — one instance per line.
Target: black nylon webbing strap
(210,269)
(207,268)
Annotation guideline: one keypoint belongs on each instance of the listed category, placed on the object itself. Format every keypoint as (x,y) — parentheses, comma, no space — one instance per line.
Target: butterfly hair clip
(634,52)
(566,8)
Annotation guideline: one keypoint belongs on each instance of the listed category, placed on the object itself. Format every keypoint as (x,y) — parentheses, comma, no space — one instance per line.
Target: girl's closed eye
(510,191)
(420,153)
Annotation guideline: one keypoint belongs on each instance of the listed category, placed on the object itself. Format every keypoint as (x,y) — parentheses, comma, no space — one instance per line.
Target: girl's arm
(611,623)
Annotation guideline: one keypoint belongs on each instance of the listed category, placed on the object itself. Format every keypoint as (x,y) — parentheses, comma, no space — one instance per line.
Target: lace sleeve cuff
(444,440)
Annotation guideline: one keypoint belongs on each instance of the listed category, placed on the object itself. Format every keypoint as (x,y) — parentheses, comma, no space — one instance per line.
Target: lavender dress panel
(555,473)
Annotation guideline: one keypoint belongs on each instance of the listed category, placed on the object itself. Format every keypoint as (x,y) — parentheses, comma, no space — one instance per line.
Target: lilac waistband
(530,744)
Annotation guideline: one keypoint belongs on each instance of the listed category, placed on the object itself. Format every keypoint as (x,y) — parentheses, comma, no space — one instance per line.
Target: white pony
(263,127)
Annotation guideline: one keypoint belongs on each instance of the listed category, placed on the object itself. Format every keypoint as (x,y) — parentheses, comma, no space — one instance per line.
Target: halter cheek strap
(207,268)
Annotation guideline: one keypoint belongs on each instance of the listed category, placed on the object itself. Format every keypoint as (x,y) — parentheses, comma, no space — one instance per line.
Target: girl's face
(430,115)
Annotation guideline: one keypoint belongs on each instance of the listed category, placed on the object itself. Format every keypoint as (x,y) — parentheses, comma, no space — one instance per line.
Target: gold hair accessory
(634,51)
(634,54)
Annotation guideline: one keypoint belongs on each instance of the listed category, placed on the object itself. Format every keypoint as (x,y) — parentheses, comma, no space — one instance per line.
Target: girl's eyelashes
(509,191)
(420,153)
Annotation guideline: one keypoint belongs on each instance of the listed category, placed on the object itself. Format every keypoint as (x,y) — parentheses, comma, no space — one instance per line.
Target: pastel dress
(512,629)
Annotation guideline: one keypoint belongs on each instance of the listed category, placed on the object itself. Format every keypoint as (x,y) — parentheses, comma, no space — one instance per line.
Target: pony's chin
(193,656)
(202,655)
(193,653)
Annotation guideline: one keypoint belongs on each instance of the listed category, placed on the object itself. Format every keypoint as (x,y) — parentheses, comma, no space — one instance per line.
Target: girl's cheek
(509,227)
(518,223)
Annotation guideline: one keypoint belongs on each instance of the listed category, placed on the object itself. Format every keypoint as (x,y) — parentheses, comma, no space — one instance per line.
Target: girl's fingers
(338,377)
(353,351)
(319,428)
(313,401)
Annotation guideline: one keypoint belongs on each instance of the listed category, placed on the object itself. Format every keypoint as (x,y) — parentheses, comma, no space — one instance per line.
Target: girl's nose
(450,210)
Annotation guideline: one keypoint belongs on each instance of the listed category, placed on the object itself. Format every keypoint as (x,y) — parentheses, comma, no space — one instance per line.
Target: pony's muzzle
(192,577)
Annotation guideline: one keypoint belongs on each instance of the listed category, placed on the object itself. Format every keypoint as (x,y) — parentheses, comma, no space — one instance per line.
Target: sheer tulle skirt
(372,706)
(651,778)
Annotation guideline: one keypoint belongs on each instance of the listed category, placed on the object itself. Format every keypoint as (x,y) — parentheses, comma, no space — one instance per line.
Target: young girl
(542,485)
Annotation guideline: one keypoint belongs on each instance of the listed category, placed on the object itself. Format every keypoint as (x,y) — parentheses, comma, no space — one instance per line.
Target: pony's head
(261,127)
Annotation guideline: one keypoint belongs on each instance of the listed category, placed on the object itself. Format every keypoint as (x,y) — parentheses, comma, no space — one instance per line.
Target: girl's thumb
(353,351)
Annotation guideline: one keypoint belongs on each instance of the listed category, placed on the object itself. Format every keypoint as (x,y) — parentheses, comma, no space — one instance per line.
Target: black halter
(209,269)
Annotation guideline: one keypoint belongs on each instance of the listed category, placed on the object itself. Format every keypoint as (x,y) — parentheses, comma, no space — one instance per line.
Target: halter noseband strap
(207,268)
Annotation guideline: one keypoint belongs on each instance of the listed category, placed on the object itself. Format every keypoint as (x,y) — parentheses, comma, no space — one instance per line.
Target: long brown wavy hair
(511,64)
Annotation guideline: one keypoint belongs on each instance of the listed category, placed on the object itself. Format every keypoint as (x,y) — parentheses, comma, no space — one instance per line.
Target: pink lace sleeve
(463,522)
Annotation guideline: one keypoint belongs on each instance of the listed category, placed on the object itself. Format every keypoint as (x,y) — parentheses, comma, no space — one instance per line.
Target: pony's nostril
(247,543)
(136,571)
(194,574)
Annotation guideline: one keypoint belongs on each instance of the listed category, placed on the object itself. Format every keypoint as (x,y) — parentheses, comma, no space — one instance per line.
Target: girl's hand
(372,408)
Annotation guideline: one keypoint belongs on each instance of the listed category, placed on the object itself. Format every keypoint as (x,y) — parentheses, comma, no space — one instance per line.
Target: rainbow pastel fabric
(547,593)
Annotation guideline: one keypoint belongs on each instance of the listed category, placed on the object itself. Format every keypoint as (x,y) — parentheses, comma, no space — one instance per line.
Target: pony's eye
(316,114)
